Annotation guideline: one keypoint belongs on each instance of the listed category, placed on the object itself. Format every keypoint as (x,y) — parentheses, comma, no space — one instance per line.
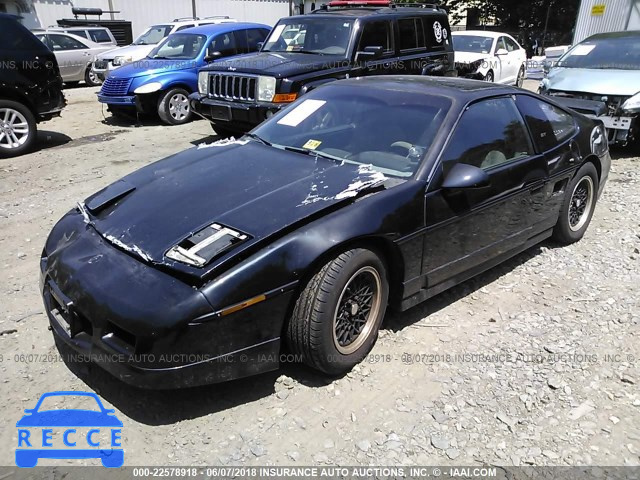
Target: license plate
(221,112)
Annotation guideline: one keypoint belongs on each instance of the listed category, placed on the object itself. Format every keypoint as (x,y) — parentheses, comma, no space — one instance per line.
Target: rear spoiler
(586,107)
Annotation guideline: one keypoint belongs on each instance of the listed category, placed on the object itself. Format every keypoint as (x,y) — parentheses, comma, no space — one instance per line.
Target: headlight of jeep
(266,88)
(632,104)
(148,88)
(599,142)
(121,60)
(203,83)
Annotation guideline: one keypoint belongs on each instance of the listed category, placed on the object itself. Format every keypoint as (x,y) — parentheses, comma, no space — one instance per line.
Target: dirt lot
(550,377)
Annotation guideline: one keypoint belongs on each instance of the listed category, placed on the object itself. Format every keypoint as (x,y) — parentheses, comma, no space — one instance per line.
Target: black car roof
(450,87)
(628,33)
(373,11)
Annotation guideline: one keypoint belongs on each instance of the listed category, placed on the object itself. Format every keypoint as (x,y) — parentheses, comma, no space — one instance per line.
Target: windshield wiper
(258,138)
(314,153)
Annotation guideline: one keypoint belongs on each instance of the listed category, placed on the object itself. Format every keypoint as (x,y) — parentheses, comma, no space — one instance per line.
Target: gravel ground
(535,362)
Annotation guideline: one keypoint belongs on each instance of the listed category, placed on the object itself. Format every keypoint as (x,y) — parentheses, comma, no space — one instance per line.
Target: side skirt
(426,293)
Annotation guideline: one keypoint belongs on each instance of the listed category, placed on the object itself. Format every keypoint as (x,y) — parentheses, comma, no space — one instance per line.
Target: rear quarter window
(411,34)
(437,32)
(100,36)
(549,125)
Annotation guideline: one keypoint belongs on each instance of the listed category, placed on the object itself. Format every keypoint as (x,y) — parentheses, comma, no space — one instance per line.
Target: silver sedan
(74,55)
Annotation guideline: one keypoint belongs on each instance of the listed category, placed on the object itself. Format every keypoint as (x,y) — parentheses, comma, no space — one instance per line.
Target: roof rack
(185,19)
(371,5)
(223,17)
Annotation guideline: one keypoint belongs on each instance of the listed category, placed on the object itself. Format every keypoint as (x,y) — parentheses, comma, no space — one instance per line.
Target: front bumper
(238,116)
(138,323)
(127,100)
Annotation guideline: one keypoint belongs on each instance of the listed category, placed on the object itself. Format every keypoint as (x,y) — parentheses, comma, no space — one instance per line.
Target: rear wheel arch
(591,158)
(17,96)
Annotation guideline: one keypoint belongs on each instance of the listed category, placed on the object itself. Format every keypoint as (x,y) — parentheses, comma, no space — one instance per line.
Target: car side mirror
(212,56)
(109,411)
(369,53)
(500,52)
(29,410)
(260,45)
(463,176)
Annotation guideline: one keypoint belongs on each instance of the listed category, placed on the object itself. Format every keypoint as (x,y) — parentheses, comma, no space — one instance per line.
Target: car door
(501,56)
(377,33)
(73,56)
(516,54)
(469,228)
(554,135)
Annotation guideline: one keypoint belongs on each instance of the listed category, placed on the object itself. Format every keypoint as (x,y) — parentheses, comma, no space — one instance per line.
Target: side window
(224,43)
(100,36)
(490,133)
(411,34)
(511,45)
(79,33)
(184,27)
(377,34)
(63,42)
(437,32)
(254,37)
(549,125)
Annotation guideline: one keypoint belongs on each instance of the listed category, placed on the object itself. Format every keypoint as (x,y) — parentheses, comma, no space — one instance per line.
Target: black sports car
(365,193)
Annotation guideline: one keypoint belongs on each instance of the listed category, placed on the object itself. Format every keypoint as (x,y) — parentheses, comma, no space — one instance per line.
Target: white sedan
(491,56)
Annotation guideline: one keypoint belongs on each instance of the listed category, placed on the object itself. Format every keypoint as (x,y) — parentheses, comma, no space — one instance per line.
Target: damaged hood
(246,186)
(599,81)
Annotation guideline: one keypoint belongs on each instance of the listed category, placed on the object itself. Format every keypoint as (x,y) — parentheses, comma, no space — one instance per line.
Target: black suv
(340,40)
(30,86)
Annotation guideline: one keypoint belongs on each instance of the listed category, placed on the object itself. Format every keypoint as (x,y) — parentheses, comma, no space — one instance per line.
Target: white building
(142,13)
(601,16)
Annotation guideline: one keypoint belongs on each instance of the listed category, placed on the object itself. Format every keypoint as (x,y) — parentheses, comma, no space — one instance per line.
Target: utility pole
(112,9)
(193,8)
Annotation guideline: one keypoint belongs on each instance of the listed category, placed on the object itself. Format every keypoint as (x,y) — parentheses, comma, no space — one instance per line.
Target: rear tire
(578,206)
(336,318)
(174,108)
(18,129)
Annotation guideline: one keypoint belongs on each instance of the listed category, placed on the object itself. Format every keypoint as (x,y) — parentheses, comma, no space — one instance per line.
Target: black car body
(30,86)
(206,265)
(332,43)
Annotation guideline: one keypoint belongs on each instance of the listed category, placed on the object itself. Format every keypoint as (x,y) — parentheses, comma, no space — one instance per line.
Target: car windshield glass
(153,35)
(321,36)
(472,43)
(390,130)
(180,46)
(608,53)
(69,402)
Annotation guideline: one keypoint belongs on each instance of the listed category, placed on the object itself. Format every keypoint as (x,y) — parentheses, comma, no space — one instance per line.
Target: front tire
(578,205)
(336,318)
(174,108)
(489,77)
(91,78)
(17,129)
(520,77)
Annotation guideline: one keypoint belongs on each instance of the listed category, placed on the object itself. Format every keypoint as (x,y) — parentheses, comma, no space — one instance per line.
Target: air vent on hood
(204,245)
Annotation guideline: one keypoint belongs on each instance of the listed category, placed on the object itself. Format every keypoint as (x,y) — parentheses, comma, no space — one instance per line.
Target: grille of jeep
(232,87)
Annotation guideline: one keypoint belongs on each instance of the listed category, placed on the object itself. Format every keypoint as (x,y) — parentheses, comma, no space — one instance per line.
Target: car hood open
(247,186)
(599,81)
(278,64)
